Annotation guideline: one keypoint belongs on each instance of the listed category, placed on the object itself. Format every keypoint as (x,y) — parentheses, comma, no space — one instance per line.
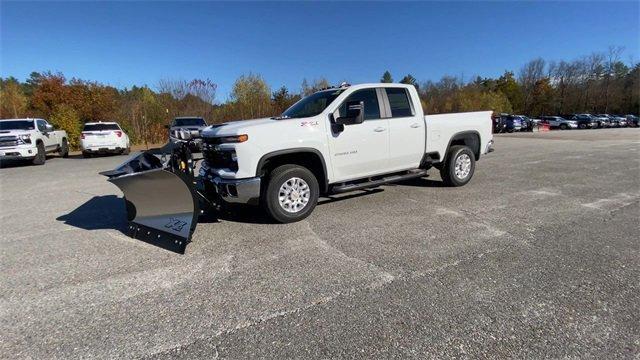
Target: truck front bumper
(18,152)
(239,191)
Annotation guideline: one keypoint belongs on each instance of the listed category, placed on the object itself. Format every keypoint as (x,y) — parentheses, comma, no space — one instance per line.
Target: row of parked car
(32,139)
(512,123)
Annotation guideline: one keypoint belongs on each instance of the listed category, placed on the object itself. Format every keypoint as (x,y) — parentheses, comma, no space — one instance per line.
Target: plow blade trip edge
(162,207)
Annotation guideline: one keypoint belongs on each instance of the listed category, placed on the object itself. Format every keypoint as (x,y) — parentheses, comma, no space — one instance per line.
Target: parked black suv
(585,121)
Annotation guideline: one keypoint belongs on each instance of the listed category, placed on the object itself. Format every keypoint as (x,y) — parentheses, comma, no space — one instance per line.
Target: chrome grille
(6,141)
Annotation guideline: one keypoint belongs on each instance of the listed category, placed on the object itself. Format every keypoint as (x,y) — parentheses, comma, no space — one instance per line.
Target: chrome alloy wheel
(463,166)
(294,195)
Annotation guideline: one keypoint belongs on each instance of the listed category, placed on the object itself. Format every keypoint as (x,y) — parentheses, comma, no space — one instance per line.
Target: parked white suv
(31,139)
(104,138)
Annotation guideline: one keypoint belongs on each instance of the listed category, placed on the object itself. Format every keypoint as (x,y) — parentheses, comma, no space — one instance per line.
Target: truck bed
(442,128)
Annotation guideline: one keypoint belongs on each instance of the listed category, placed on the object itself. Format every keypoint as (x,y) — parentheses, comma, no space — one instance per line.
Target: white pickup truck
(31,139)
(337,140)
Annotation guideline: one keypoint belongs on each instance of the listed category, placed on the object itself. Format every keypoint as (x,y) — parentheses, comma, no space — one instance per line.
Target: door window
(370,99)
(42,125)
(399,102)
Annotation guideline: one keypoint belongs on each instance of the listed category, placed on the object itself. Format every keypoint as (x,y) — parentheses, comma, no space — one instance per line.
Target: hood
(237,127)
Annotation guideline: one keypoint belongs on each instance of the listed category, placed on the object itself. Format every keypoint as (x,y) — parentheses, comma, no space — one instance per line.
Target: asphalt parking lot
(537,257)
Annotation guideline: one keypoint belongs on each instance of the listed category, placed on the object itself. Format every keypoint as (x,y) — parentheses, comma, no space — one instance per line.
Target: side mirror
(48,128)
(354,113)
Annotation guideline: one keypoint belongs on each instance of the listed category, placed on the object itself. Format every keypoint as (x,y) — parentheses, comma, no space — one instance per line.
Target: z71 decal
(309,123)
(175,224)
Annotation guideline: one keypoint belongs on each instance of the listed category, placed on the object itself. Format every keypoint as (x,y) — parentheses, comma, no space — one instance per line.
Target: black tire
(126,151)
(64,149)
(41,156)
(271,193)
(86,155)
(563,127)
(582,126)
(448,171)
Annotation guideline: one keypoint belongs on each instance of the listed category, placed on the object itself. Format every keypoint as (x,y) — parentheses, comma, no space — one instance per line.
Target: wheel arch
(310,158)
(469,138)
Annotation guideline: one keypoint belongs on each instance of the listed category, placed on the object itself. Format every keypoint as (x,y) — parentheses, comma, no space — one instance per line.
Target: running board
(411,174)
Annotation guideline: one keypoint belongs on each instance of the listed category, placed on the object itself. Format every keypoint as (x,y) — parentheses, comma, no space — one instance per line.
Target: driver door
(360,150)
(48,137)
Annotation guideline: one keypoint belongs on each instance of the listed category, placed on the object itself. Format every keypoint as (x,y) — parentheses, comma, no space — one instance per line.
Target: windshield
(189,122)
(17,125)
(100,127)
(312,105)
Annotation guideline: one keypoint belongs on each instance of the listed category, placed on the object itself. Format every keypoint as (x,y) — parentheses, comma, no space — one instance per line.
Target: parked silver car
(604,120)
(559,122)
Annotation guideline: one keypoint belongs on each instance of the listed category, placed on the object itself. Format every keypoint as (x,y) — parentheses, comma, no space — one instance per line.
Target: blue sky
(127,43)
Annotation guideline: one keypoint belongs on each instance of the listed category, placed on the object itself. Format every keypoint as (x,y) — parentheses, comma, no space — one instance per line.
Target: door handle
(379,129)
(415,125)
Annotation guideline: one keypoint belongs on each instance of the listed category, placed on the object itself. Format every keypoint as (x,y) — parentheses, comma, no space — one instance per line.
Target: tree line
(597,83)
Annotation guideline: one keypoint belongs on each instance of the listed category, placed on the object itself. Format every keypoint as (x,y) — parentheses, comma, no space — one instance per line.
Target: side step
(411,174)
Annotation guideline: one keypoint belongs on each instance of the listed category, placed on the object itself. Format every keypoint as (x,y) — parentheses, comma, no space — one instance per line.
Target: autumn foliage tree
(597,83)
(65,117)
(13,101)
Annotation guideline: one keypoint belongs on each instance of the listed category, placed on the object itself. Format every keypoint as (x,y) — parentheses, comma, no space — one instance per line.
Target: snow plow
(161,199)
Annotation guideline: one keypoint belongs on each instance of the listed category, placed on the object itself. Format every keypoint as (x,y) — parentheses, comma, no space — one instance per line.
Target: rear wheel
(563,127)
(126,151)
(41,156)
(291,193)
(64,149)
(459,166)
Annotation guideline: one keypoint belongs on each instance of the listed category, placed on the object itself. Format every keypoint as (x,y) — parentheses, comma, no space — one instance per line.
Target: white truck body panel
(442,127)
(374,147)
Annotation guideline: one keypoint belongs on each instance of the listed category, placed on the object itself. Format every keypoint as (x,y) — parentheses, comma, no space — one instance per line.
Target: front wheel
(459,166)
(563,127)
(64,149)
(291,193)
(41,156)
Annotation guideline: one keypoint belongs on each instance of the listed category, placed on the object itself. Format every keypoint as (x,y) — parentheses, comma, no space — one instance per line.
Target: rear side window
(399,102)
(370,99)
(100,127)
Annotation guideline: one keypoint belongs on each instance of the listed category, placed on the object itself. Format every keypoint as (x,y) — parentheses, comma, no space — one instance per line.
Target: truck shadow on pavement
(109,213)
(100,212)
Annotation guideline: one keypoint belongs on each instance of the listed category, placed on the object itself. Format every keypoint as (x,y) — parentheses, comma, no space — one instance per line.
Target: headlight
(26,139)
(232,139)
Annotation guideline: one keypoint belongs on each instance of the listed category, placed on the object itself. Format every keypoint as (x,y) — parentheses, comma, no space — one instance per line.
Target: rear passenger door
(406,130)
